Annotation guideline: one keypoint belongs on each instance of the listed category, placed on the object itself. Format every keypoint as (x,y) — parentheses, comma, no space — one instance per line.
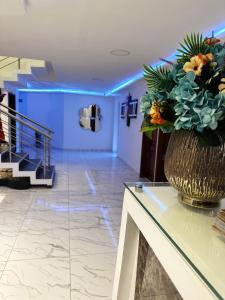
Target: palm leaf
(148,129)
(192,45)
(157,79)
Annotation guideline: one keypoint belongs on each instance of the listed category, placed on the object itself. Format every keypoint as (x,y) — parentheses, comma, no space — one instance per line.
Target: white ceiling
(76,36)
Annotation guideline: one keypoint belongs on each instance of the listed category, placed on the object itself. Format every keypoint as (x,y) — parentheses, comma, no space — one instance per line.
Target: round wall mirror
(90,117)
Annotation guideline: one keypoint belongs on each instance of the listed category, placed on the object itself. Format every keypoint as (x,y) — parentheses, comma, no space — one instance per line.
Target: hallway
(61,243)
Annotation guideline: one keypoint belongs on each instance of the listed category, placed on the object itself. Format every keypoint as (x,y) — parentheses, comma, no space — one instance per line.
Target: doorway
(153,155)
(12,104)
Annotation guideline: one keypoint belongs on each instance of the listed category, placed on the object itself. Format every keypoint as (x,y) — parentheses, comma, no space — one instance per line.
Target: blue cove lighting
(124,84)
(220,31)
(68,91)
(138,76)
(172,57)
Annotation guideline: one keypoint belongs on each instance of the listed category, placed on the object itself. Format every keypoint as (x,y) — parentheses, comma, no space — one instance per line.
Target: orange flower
(205,58)
(194,65)
(211,41)
(154,112)
(159,121)
(221,86)
(197,62)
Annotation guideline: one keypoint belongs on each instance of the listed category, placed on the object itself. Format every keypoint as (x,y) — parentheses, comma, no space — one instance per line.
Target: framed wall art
(129,109)
(132,109)
(123,110)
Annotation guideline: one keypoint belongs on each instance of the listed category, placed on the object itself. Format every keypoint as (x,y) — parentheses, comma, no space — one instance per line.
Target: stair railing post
(49,152)
(44,155)
(21,137)
(10,138)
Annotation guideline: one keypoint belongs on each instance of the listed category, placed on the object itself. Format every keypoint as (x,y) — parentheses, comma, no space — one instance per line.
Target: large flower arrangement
(189,95)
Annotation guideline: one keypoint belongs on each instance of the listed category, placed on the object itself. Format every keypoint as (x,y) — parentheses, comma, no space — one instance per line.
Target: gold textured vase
(197,172)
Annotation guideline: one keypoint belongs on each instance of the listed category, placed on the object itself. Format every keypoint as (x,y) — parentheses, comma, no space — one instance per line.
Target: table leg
(126,265)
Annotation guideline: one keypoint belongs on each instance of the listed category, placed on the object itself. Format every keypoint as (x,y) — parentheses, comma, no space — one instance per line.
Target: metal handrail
(9,64)
(24,133)
(18,60)
(13,145)
(26,124)
(20,125)
(4,58)
(25,117)
(29,146)
(25,159)
(24,143)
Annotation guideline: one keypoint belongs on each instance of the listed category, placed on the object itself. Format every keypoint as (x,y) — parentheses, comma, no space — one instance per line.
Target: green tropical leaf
(148,134)
(157,79)
(192,45)
(149,128)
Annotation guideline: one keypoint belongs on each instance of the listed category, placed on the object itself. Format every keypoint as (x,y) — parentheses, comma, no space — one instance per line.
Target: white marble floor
(61,243)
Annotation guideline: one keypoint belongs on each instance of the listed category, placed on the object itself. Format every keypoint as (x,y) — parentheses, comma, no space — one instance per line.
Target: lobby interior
(59,61)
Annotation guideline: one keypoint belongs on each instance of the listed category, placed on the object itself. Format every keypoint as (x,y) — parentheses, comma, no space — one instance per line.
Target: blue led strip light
(121,85)
(172,57)
(68,91)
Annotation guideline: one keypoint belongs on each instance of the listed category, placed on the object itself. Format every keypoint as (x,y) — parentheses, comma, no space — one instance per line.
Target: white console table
(182,238)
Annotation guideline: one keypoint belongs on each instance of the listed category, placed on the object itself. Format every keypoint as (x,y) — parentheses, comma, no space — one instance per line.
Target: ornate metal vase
(197,172)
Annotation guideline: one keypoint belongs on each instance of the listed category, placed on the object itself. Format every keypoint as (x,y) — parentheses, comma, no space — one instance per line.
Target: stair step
(49,173)
(31,165)
(16,157)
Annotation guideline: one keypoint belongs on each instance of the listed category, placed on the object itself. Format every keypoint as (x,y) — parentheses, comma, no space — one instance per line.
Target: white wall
(60,112)
(47,109)
(76,137)
(130,138)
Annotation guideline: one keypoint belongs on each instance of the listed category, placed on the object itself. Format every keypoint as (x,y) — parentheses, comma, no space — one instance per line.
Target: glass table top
(189,229)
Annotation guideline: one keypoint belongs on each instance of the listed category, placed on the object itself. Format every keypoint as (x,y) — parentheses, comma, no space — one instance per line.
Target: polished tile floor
(61,243)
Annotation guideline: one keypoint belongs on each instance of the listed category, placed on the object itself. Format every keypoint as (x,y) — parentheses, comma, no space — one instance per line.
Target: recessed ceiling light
(120,52)
(97,79)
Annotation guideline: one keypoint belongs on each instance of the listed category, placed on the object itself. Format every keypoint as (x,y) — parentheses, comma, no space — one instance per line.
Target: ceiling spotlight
(97,79)
(120,52)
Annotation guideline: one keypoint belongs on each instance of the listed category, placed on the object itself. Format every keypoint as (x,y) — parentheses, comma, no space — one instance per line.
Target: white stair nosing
(16,172)
(31,174)
(42,181)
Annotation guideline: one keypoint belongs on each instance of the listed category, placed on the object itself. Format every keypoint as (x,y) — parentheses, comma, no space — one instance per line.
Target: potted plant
(187,99)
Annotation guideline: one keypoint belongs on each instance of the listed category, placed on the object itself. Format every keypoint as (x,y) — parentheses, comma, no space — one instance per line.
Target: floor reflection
(65,238)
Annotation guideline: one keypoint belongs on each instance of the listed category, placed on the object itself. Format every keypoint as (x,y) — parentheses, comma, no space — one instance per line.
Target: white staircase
(23,166)
(18,72)
(26,148)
